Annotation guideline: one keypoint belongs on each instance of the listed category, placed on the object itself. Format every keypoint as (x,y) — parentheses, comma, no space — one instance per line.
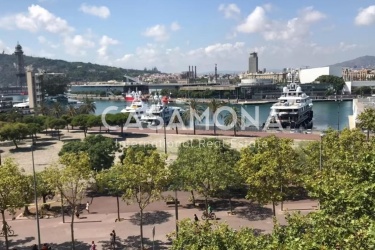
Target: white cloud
(230,10)
(175,26)
(105,42)
(255,22)
(309,15)
(37,18)
(293,30)
(99,11)
(45,41)
(4,48)
(366,16)
(157,32)
(77,45)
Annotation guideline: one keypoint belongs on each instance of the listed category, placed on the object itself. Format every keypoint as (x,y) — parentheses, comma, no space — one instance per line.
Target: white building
(348,87)
(309,75)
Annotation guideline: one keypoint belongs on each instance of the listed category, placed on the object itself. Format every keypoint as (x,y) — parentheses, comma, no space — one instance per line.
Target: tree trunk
(72,228)
(84,132)
(58,134)
(44,197)
(176,130)
(141,227)
(193,198)
(230,205)
(15,143)
(5,231)
(118,208)
(26,211)
(194,126)
(67,127)
(214,128)
(368,134)
(122,130)
(205,199)
(234,130)
(273,208)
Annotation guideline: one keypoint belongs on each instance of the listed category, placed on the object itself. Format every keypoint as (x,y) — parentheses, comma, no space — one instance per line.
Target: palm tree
(235,120)
(43,109)
(88,106)
(57,109)
(71,110)
(214,105)
(194,108)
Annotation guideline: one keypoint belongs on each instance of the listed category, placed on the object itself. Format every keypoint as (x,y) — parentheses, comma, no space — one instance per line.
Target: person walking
(113,239)
(196,218)
(93,246)
(88,207)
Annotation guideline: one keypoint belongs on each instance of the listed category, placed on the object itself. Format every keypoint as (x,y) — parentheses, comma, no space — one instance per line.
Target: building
(21,76)
(358,75)
(272,77)
(351,86)
(253,63)
(34,90)
(310,75)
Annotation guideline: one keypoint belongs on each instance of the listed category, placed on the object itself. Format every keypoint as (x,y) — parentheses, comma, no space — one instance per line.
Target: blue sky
(173,34)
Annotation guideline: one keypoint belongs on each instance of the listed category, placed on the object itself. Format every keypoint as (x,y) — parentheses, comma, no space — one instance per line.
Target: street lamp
(36,196)
(338,112)
(175,191)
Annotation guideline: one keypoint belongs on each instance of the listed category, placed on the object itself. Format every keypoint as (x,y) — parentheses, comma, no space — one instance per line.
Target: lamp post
(338,112)
(36,197)
(175,191)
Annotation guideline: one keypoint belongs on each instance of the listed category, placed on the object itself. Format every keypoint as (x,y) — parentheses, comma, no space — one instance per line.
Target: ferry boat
(293,110)
(136,108)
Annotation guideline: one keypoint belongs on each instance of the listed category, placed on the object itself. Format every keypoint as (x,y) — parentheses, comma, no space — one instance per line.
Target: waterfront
(326,113)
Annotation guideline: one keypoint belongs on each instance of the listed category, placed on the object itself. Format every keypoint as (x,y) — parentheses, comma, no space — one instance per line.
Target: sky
(173,34)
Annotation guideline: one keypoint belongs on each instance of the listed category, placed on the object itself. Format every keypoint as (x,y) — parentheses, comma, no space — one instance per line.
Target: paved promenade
(97,225)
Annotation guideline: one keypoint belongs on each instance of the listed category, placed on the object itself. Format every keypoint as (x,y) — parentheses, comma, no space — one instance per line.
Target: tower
(253,63)
(215,73)
(21,76)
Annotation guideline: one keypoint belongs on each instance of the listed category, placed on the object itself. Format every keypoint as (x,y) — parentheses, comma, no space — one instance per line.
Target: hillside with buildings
(365,62)
(76,71)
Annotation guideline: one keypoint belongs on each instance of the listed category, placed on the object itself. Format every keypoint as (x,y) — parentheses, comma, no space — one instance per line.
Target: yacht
(293,110)
(137,108)
(159,111)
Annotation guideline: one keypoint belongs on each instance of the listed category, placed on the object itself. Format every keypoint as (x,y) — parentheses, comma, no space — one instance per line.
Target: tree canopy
(336,81)
(101,150)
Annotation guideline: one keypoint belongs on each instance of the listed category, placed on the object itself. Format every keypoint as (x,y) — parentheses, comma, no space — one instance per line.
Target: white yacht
(137,108)
(159,111)
(293,110)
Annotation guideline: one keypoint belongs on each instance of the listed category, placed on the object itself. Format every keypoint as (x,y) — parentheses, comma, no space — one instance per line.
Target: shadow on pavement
(254,212)
(134,242)
(150,218)
(14,244)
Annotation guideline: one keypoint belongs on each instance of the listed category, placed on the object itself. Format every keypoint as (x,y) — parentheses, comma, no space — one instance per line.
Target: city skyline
(171,35)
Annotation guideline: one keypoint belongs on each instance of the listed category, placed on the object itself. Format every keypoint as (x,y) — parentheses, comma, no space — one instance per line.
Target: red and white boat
(131,96)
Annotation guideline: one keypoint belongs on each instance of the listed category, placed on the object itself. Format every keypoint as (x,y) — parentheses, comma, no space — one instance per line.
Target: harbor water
(326,113)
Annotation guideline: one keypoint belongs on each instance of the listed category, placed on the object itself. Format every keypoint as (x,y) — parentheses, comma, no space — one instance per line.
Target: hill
(76,71)
(360,62)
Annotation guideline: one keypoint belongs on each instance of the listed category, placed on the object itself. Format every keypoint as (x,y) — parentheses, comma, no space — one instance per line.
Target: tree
(206,165)
(205,236)
(108,180)
(56,123)
(88,107)
(214,105)
(268,168)
(101,150)
(71,181)
(57,109)
(10,190)
(366,120)
(146,149)
(142,179)
(82,122)
(336,81)
(14,132)
(233,120)
(44,190)
(53,84)
(194,109)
